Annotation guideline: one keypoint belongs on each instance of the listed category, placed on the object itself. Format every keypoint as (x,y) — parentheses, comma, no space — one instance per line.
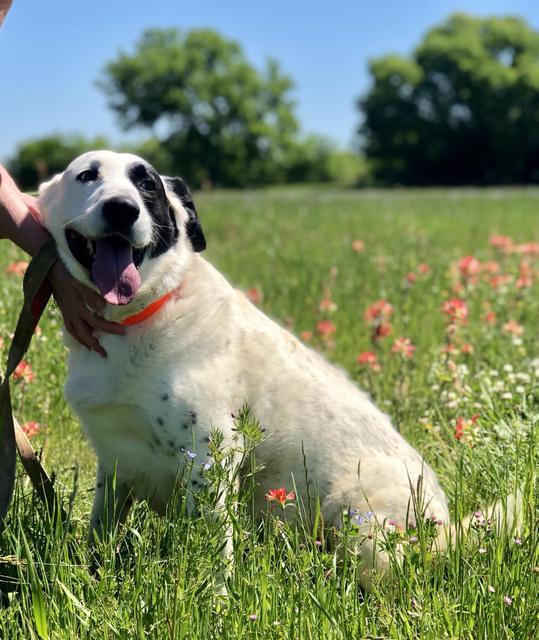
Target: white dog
(195,351)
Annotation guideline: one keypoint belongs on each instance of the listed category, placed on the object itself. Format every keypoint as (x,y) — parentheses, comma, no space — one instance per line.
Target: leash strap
(37,291)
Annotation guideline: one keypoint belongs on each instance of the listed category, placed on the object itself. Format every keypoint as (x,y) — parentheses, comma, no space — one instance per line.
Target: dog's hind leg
(112,502)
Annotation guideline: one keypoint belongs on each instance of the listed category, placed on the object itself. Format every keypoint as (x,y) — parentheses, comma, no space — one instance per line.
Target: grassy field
(464,391)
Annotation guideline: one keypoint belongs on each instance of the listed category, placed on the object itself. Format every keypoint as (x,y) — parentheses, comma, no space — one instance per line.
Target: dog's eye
(87,176)
(147,185)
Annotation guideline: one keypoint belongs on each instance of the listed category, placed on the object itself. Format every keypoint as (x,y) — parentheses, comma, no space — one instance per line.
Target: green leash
(37,291)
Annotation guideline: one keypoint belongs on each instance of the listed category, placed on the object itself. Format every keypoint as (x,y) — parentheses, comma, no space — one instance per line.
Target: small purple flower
(507,600)
(413,539)
(207,465)
(518,541)
(392,523)
(318,543)
(253,616)
(191,454)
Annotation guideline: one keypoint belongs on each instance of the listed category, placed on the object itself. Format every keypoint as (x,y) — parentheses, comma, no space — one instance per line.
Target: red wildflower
(306,335)
(456,309)
(23,372)
(254,294)
(280,495)
(31,428)
(358,246)
(382,331)
(327,304)
(513,327)
(528,249)
(525,278)
(404,347)
(369,359)
(449,348)
(462,424)
(502,243)
(490,318)
(17,268)
(326,328)
(469,266)
(379,311)
(423,268)
(491,266)
(466,348)
(500,279)
(410,277)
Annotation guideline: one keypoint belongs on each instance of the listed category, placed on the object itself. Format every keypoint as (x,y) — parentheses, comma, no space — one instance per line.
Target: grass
(294,248)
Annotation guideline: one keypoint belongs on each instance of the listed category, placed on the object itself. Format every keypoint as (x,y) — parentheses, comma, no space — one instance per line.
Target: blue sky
(51,53)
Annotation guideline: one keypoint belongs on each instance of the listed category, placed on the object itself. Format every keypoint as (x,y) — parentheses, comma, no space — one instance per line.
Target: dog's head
(115,221)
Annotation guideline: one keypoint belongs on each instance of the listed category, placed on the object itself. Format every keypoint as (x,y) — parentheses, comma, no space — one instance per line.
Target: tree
(37,160)
(220,120)
(463,109)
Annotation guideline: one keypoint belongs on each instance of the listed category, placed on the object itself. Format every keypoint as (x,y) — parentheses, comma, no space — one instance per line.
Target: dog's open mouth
(112,262)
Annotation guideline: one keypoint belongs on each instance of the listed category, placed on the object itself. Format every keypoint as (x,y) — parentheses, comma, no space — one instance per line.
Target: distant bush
(37,160)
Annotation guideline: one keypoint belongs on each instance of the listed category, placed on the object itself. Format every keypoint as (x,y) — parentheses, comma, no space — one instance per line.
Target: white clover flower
(508,368)
(517,342)
(507,396)
(520,389)
(493,373)
(523,377)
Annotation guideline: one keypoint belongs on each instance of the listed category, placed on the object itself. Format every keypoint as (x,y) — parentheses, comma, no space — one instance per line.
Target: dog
(195,351)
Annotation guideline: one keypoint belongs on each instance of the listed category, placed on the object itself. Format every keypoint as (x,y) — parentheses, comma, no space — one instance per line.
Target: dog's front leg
(111,505)
(224,511)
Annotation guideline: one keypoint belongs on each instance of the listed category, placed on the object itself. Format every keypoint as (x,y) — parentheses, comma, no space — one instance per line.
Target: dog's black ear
(192,226)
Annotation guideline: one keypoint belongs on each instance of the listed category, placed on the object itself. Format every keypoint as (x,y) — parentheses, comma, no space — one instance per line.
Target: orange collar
(148,311)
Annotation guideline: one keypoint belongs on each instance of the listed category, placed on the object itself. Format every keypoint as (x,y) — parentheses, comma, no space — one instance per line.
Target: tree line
(463,108)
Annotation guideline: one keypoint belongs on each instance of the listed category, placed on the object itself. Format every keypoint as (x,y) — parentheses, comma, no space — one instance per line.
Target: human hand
(78,305)
(4,8)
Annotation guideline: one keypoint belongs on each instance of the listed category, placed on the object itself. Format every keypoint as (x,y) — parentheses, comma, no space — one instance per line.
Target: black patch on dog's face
(148,183)
(192,226)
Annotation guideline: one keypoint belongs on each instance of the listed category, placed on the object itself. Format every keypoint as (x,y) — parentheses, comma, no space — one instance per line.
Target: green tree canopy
(464,108)
(220,120)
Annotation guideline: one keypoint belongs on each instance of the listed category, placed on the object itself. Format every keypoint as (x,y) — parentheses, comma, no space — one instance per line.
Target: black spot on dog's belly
(160,421)
(164,397)
(171,444)
(194,483)
(185,425)
(99,485)
(193,417)
(206,439)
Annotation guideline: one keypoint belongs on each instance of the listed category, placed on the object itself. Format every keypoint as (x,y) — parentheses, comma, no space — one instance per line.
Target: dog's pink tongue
(113,270)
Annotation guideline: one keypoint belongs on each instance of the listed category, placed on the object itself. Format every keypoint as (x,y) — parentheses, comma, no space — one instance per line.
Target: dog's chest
(143,420)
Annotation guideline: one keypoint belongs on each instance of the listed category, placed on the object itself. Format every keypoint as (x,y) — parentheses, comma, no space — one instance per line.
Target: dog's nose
(120,213)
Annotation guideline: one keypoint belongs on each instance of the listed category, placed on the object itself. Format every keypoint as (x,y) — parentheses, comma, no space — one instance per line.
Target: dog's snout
(120,212)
